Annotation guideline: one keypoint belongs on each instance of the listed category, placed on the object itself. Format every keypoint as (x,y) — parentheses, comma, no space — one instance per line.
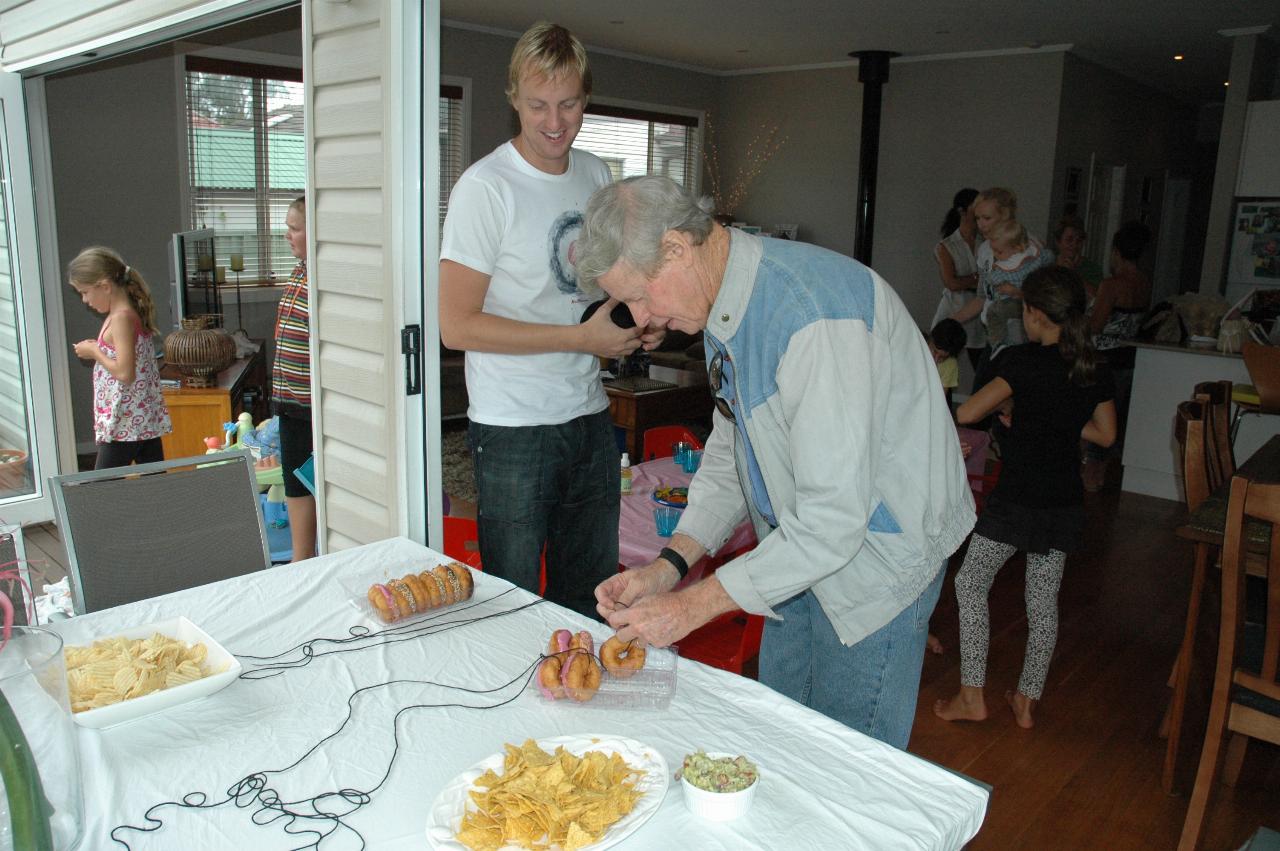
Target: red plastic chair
(462,543)
(729,641)
(984,484)
(660,442)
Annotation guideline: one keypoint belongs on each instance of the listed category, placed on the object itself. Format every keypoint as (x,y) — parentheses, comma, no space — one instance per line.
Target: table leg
(1182,669)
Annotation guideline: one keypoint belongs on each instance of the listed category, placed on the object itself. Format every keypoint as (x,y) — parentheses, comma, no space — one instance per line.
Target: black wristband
(677,561)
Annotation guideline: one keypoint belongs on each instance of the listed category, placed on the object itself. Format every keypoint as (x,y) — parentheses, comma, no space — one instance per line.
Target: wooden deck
(46,556)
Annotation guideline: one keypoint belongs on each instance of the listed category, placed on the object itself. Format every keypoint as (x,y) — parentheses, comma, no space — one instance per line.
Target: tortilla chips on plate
(543,800)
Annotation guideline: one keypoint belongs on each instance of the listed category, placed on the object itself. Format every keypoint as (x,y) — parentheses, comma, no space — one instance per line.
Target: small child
(129,414)
(1015,256)
(946,341)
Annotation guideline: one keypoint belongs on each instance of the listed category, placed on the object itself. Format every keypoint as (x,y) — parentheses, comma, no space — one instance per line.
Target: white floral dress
(134,411)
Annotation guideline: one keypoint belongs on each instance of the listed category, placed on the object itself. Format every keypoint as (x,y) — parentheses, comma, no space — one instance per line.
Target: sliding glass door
(27,439)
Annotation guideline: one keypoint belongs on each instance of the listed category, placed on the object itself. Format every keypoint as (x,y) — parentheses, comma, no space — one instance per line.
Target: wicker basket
(199,352)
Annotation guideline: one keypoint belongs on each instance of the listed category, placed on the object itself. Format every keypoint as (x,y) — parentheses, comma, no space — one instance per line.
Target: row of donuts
(412,593)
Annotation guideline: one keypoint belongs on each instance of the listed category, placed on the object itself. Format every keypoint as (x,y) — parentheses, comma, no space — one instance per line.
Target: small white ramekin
(719,806)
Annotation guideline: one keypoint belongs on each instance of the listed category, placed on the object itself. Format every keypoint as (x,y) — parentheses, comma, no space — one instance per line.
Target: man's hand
(653,337)
(602,338)
(623,589)
(664,618)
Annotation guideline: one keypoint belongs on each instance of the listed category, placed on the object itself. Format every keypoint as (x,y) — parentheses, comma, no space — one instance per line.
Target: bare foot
(967,705)
(1021,706)
(932,642)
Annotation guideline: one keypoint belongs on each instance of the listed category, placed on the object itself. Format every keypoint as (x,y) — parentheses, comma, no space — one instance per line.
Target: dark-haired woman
(1122,300)
(958,269)
(1062,391)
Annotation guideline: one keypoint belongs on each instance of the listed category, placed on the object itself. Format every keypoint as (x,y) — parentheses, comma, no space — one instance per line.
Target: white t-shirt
(519,225)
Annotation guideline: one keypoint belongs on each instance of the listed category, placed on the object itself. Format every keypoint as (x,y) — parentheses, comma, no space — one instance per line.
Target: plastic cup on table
(692,460)
(679,451)
(666,519)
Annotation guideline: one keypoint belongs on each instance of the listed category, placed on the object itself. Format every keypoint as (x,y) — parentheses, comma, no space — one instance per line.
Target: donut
(580,674)
(420,593)
(549,678)
(559,643)
(404,596)
(447,583)
(583,641)
(435,588)
(622,659)
(455,583)
(463,573)
(384,602)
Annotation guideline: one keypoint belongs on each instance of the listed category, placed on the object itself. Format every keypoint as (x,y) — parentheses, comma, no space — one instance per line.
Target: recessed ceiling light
(1178,57)
(1227,83)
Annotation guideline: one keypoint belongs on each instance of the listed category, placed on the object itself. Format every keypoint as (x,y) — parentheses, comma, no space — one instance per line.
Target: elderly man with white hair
(831,432)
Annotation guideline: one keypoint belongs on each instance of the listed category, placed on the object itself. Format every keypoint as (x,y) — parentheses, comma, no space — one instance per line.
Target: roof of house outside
(223,159)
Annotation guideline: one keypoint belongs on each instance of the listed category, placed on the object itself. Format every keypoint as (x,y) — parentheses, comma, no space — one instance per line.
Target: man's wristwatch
(677,561)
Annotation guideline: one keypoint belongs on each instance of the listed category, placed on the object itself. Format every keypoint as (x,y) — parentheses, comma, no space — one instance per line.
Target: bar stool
(1263,396)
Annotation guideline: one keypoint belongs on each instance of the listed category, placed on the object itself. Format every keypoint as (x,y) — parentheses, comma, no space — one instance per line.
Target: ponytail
(1059,293)
(959,203)
(98,263)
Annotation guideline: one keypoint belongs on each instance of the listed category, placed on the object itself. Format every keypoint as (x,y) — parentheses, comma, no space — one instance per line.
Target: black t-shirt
(1041,451)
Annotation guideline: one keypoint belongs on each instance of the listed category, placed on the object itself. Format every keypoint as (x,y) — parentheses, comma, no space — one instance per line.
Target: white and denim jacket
(845,423)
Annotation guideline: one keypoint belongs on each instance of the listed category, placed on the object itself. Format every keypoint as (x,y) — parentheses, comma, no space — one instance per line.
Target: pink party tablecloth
(638,539)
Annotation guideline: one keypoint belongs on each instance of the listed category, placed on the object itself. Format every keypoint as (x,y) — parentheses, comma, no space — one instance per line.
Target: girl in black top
(1062,391)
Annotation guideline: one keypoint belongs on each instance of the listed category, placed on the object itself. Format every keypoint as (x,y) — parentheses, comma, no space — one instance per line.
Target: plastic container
(357,590)
(626,473)
(692,460)
(666,518)
(652,687)
(718,806)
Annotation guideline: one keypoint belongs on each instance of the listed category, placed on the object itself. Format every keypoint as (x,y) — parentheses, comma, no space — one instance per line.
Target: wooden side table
(200,412)
(634,412)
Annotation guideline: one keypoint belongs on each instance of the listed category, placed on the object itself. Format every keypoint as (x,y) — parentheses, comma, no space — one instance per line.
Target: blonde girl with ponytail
(1061,392)
(129,414)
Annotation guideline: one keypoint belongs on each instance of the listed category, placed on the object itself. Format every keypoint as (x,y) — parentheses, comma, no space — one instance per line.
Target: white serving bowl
(719,806)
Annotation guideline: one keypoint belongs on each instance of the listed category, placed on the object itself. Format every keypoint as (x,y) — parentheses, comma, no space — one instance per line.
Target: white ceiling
(1135,37)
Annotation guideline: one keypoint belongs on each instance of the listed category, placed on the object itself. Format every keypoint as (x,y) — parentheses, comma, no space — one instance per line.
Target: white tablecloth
(822,783)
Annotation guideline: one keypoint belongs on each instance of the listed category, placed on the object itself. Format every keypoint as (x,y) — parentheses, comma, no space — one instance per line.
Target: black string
(320,816)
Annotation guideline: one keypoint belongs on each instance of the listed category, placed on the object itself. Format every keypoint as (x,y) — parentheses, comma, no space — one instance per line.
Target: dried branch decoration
(728,191)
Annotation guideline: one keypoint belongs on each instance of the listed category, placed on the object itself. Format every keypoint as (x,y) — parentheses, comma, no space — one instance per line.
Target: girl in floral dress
(129,414)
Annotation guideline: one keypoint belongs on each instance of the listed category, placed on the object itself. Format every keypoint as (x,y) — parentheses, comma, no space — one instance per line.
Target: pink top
(129,411)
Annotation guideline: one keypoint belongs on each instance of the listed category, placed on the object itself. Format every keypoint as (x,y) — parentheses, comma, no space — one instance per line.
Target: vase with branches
(729,190)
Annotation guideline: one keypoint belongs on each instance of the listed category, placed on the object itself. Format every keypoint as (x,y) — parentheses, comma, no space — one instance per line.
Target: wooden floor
(1088,775)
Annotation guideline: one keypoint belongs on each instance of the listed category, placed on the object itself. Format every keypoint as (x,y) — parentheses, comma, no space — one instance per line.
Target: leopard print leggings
(973,582)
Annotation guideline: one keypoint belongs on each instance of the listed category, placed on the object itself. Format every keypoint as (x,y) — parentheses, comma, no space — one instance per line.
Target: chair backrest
(462,541)
(1263,363)
(150,529)
(1216,398)
(1250,501)
(1193,456)
(659,442)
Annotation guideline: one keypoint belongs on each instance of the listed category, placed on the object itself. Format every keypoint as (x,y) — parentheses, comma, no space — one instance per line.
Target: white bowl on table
(719,806)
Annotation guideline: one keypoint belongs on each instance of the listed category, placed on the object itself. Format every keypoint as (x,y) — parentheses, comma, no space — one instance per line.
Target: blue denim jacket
(839,401)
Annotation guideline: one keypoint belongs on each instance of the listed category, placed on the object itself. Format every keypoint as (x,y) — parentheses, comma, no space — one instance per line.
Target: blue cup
(666,519)
(692,460)
(679,451)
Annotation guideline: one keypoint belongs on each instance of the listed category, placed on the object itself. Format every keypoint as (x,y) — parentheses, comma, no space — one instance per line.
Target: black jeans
(122,453)
(555,486)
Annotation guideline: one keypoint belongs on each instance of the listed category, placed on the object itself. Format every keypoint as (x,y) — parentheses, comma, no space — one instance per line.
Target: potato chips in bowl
(144,670)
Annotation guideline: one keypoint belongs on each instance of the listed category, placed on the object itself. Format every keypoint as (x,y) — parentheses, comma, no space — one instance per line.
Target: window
(246,160)
(453,137)
(634,141)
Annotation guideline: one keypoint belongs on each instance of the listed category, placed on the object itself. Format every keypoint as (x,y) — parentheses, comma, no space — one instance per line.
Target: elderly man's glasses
(715,374)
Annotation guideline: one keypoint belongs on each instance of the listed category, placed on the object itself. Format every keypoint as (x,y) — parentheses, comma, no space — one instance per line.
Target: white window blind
(637,141)
(246,158)
(452,134)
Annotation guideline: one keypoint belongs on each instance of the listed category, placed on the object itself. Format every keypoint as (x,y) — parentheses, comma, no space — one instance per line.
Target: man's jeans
(871,686)
(556,485)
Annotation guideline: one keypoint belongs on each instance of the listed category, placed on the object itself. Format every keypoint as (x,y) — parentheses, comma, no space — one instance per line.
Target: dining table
(343,733)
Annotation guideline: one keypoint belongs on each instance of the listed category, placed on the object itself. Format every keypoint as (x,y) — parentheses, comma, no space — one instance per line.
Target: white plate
(182,629)
(445,816)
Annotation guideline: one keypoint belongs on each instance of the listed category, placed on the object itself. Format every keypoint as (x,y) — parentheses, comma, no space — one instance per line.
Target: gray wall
(484,57)
(117,178)
(1123,123)
(945,125)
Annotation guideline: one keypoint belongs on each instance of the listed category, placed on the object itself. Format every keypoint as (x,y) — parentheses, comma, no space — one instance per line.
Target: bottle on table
(626,473)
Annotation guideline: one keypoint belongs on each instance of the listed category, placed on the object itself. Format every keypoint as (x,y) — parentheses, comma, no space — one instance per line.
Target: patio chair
(1246,690)
(1263,396)
(137,532)
(659,442)
(729,641)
